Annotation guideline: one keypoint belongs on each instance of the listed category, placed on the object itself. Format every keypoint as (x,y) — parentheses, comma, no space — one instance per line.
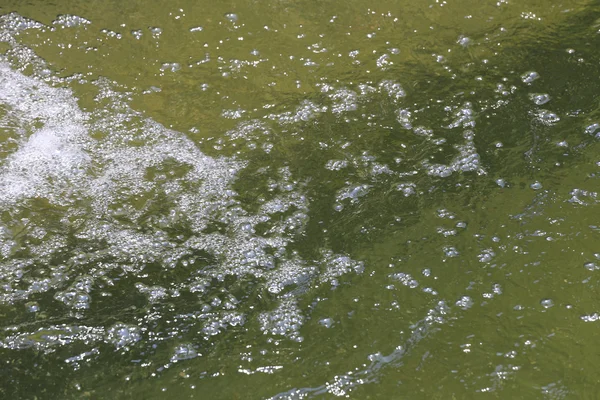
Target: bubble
(70,21)
(546,117)
(154,293)
(336,165)
(451,251)
(231,17)
(184,352)
(285,320)
(497,288)
(591,129)
(590,318)
(539,99)
(354,193)
(326,322)
(76,299)
(463,41)
(137,34)
(407,189)
(122,335)
(443,171)
(393,89)
(155,31)
(547,303)
(172,67)
(336,265)
(536,185)
(405,279)
(529,77)
(591,266)
(344,100)
(383,61)
(486,256)
(465,302)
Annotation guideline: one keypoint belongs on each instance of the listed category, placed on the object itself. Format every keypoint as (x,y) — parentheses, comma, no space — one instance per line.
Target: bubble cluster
(134,203)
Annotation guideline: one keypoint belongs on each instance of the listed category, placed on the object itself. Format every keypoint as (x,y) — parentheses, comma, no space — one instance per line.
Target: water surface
(302,199)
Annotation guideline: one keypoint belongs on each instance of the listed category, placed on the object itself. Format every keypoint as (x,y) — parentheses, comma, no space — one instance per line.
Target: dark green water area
(299,199)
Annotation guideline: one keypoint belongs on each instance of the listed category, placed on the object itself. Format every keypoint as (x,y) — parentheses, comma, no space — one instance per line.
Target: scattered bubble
(184,352)
(463,41)
(70,21)
(407,189)
(591,266)
(539,99)
(123,335)
(591,129)
(536,185)
(137,34)
(546,117)
(591,317)
(155,31)
(547,303)
(451,251)
(231,17)
(486,256)
(326,322)
(172,67)
(529,77)
(405,279)
(465,302)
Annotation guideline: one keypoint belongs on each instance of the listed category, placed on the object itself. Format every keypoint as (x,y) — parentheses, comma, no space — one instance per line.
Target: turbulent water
(299,200)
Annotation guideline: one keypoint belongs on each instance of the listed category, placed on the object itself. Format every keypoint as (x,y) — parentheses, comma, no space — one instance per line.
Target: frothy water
(128,200)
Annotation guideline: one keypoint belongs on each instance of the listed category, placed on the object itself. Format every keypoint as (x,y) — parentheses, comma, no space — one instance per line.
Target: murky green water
(243,200)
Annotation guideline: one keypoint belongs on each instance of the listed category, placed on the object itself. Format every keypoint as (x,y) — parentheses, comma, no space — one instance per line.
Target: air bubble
(529,77)
(184,352)
(536,186)
(539,99)
(591,266)
(547,303)
(231,17)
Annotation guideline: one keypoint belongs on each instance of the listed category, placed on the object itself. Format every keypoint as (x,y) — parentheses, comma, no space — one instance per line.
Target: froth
(102,204)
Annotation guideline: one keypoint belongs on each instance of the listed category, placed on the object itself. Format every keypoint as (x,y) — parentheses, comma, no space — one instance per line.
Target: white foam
(113,182)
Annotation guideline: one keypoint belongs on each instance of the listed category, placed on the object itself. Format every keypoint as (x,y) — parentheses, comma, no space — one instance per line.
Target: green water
(310,199)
